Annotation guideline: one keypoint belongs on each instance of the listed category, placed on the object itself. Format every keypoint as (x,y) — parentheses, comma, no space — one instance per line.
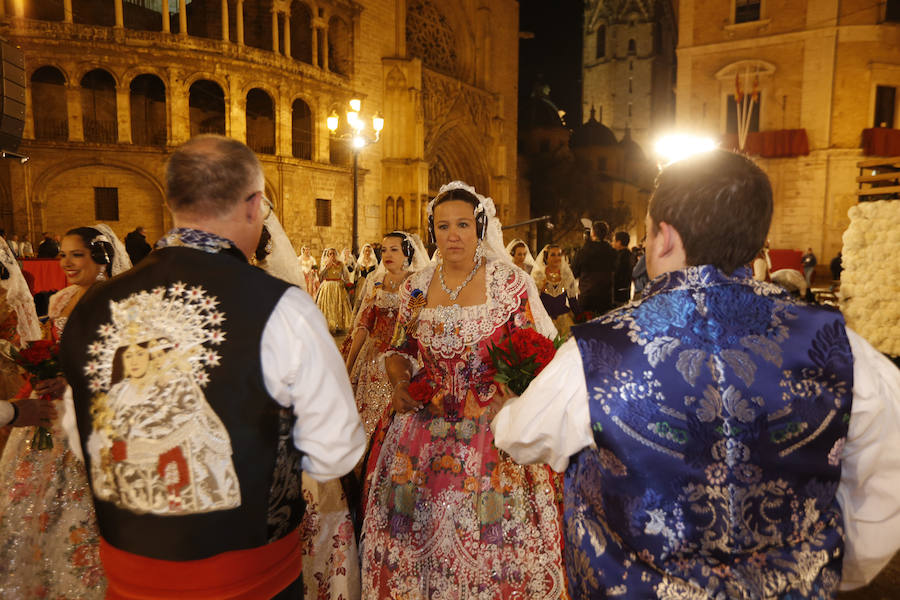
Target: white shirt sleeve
(6,413)
(551,420)
(303,369)
(870,468)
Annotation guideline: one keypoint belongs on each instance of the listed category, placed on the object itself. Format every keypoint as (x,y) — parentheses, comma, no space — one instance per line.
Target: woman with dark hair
(447,514)
(45,504)
(559,291)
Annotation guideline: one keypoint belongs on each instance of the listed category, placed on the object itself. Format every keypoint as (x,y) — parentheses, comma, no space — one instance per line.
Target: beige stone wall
(823,60)
(54,190)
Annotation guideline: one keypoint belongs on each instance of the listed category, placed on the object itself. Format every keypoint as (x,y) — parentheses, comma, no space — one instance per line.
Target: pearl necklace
(455,291)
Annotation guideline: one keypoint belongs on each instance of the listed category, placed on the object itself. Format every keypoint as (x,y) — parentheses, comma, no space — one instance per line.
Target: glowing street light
(672,148)
(357,138)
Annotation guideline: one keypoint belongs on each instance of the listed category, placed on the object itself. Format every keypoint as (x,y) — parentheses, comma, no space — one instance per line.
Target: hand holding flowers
(40,359)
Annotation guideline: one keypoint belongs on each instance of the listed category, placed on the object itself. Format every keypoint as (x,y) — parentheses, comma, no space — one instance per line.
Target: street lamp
(358,138)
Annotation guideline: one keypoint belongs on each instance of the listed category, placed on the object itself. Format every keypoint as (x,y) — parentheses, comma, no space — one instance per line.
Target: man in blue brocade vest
(719,438)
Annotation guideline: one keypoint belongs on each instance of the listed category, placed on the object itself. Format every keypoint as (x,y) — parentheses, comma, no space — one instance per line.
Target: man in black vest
(202,387)
(136,245)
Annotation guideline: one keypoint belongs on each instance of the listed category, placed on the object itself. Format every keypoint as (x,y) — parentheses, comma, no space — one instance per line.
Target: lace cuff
(414,367)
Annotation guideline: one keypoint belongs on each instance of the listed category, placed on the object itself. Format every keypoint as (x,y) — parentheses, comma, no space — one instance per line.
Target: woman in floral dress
(49,544)
(448,515)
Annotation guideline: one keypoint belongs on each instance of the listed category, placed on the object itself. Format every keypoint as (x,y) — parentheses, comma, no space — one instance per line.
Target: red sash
(257,573)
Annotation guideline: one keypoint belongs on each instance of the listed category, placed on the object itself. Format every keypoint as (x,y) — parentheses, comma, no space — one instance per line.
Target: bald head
(208,175)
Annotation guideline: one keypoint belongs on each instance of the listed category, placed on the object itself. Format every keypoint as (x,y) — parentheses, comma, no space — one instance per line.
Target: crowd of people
(705,435)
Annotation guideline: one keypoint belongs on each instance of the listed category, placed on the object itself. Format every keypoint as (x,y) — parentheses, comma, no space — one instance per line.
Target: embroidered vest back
(187,454)
(719,409)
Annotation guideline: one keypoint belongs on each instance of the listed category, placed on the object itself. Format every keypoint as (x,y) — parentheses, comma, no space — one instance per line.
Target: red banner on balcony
(779,143)
(881,141)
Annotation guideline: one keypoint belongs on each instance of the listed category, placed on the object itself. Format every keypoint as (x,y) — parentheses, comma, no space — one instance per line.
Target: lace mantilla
(447,330)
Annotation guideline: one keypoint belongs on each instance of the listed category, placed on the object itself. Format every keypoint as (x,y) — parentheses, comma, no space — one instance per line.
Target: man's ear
(671,240)
(253,208)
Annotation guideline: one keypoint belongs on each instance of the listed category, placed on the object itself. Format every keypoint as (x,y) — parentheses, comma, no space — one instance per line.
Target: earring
(479,252)
(101,276)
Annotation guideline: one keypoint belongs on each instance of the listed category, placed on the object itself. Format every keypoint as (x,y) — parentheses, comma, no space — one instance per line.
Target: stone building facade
(113,86)
(629,66)
(819,68)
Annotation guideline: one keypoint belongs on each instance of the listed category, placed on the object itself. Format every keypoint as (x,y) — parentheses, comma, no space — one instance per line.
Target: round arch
(452,156)
(51,65)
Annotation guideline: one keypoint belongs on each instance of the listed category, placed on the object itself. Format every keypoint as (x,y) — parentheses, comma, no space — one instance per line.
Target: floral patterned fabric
(719,408)
(447,514)
(49,543)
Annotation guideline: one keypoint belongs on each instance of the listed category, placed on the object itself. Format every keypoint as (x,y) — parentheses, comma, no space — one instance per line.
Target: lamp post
(358,138)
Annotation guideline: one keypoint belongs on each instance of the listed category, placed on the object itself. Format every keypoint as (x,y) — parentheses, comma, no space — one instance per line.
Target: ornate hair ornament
(96,242)
(485,204)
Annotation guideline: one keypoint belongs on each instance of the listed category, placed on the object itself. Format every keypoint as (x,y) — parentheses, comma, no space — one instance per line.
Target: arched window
(48,102)
(44,10)
(98,107)
(339,45)
(601,41)
(258,25)
(206,102)
(390,215)
(91,12)
(145,16)
(148,111)
(401,214)
(301,130)
(632,47)
(301,32)
(260,122)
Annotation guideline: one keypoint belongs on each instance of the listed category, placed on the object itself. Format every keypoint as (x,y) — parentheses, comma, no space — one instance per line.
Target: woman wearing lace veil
(332,298)
(520,254)
(446,513)
(310,270)
(556,283)
(49,545)
(365,265)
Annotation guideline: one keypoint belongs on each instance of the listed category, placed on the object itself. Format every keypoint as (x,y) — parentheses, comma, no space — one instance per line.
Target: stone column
(225,20)
(315,46)
(19,11)
(287,33)
(239,15)
(2,9)
(74,112)
(274,30)
(324,38)
(166,27)
(123,112)
(120,20)
(182,17)
(67,11)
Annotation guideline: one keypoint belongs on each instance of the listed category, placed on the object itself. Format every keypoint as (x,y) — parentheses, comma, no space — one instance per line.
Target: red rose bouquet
(40,359)
(421,391)
(521,357)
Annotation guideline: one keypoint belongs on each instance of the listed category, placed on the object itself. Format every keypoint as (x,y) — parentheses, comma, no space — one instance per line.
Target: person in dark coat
(136,245)
(623,267)
(594,265)
(49,248)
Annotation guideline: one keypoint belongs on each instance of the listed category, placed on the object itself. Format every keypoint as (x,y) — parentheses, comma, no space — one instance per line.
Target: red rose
(421,391)
(530,343)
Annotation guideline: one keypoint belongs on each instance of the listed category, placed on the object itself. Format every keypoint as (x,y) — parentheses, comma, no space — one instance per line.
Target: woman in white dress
(49,544)
(310,270)
(366,264)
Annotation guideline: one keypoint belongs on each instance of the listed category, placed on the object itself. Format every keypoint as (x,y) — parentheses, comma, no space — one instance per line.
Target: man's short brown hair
(209,174)
(721,205)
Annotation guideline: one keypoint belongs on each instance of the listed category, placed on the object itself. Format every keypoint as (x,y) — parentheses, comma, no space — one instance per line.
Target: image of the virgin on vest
(156,445)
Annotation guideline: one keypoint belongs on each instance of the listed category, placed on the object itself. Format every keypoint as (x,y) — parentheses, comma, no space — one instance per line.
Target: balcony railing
(105,132)
(261,143)
(144,136)
(881,141)
(51,129)
(777,143)
(302,149)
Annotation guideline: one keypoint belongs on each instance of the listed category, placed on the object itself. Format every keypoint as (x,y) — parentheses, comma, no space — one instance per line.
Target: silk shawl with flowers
(447,514)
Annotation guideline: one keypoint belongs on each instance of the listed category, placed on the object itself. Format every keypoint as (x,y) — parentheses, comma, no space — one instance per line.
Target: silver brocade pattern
(49,544)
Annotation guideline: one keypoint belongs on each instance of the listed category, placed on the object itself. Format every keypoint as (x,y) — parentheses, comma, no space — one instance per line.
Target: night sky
(554,55)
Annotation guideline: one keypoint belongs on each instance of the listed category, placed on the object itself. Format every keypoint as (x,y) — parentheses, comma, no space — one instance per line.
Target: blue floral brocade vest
(719,408)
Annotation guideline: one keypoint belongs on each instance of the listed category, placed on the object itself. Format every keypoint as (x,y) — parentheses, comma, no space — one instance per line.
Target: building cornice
(847,33)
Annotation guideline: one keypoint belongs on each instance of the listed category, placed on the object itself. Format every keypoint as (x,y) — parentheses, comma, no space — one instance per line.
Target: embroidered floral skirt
(330,557)
(449,516)
(49,544)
